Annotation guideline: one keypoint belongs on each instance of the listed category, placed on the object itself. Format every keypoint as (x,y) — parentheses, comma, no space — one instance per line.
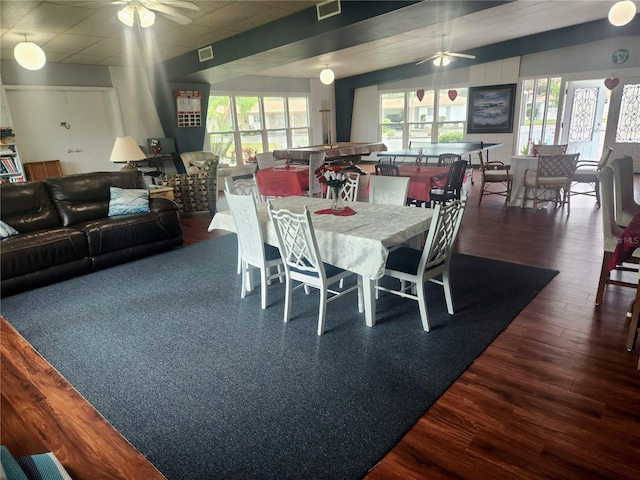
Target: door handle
(69,150)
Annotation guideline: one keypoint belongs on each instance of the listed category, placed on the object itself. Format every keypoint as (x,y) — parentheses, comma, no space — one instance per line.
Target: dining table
(283,180)
(423,179)
(359,243)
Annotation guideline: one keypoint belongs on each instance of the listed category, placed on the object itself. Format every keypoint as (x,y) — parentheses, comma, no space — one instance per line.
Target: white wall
(364,124)
(139,114)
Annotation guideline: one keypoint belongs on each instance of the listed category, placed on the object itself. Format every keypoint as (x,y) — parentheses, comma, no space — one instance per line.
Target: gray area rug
(209,386)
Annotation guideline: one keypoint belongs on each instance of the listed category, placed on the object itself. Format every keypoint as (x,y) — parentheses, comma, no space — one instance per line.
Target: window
(628,130)
(432,116)
(538,112)
(252,124)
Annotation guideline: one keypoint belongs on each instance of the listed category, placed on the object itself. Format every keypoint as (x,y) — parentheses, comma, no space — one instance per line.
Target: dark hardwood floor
(556,395)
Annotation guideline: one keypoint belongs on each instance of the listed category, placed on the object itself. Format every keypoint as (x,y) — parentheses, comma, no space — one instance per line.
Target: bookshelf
(10,165)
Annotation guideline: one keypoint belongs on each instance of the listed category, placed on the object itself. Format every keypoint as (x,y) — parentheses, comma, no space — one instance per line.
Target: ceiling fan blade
(169,13)
(424,60)
(173,4)
(461,55)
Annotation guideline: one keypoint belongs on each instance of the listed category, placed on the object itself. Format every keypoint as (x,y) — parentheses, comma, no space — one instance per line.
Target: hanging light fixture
(29,55)
(128,16)
(622,13)
(327,76)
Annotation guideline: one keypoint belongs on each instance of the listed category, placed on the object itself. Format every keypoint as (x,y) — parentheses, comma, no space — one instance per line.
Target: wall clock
(620,56)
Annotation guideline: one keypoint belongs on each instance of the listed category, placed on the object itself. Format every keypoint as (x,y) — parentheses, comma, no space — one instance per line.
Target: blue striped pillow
(125,201)
(7,230)
(43,466)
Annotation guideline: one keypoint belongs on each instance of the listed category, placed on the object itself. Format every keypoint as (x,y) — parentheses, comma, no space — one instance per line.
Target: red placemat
(345,213)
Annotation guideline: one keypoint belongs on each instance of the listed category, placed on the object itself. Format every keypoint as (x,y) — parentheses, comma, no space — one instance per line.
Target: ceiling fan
(443,57)
(144,10)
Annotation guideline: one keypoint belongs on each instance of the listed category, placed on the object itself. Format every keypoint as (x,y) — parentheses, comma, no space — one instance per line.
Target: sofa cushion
(27,207)
(85,197)
(125,201)
(7,230)
(122,232)
(31,252)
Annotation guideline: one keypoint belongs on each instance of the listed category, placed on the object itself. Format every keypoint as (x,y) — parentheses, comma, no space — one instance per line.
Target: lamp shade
(147,17)
(29,56)
(327,76)
(622,13)
(125,149)
(126,15)
(441,61)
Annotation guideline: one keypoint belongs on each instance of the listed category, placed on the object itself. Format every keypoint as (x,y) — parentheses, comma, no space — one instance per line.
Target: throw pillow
(7,230)
(125,201)
(9,467)
(43,466)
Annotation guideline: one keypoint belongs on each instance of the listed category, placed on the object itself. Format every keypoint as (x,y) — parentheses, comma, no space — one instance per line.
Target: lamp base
(129,167)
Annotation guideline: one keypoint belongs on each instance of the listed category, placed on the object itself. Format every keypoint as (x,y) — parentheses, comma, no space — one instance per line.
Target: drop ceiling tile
(69,43)
(50,17)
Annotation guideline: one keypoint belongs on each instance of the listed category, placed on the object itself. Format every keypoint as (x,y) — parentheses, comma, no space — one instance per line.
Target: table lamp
(126,150)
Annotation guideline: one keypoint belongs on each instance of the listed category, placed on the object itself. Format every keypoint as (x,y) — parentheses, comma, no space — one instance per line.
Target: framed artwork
(491,108)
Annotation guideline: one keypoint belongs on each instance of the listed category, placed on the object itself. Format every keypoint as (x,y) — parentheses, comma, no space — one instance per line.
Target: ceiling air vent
(328,9)
(205,53)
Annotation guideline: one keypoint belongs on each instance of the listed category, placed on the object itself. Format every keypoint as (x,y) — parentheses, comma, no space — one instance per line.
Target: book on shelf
(9,164)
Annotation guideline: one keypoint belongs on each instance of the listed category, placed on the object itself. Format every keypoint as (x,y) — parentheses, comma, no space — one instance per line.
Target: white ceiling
(88,32)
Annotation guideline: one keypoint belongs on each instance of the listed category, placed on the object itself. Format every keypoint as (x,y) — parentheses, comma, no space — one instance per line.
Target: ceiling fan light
(147,17)
(126,15)
(446,61)
(29,55)
(437,61)
(622,13)
(327,76)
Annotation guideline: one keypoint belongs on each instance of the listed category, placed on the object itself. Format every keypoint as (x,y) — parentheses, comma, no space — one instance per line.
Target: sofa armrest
(158,204)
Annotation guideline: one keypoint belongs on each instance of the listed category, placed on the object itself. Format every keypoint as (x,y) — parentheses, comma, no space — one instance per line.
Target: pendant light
(622,13)
(327,76)
(29,55)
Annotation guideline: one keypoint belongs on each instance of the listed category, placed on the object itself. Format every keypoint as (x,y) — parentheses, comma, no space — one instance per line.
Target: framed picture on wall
(491,108)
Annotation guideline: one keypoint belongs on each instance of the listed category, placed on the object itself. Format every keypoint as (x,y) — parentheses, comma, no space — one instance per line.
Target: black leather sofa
(65,231)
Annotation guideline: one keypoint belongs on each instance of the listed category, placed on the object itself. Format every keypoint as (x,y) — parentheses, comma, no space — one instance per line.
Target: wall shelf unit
(10,165)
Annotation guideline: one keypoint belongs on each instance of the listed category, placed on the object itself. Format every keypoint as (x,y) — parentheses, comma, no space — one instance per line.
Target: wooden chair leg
(604,277)
(633,324)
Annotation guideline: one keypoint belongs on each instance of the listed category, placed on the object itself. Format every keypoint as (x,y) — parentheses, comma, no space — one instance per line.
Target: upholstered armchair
(197,190)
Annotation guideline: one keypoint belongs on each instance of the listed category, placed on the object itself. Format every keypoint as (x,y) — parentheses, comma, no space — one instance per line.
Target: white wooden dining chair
(242,186)
(315,187)
(625,204)
(348,193)
(413,267)
(255,254)
(303,263)
(388,190)
(611,233)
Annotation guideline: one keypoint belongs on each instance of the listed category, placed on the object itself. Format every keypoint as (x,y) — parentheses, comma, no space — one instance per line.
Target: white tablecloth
(518,165)
(358,243)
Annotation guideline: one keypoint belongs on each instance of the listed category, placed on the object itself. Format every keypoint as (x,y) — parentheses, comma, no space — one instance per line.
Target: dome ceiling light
(622,13)
(29,55)
(327,76)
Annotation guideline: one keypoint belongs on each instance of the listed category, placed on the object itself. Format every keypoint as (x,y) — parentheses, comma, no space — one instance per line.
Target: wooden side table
(161,192)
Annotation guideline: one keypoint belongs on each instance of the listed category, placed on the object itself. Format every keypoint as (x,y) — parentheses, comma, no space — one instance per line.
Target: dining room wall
(578,62)
(365,123)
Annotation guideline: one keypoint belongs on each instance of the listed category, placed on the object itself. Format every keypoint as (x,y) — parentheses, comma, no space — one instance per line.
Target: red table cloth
(423,179)
(283,181)
(627,243)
